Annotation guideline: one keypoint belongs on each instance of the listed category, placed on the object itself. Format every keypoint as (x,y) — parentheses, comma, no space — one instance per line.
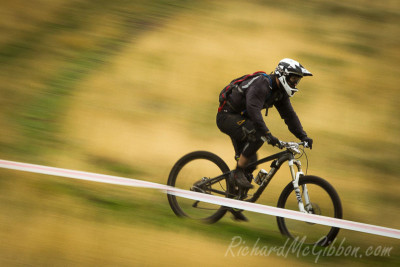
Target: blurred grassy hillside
(128,87)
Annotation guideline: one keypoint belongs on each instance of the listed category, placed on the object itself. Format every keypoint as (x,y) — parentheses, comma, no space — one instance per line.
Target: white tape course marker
(290,214)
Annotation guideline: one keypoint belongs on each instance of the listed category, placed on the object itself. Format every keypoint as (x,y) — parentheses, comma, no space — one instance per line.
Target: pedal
(195,204)
(242,193)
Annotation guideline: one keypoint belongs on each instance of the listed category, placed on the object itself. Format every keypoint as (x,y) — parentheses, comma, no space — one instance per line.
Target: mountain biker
(240,115)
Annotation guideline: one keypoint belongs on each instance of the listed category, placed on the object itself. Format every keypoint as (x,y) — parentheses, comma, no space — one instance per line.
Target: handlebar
(293,146)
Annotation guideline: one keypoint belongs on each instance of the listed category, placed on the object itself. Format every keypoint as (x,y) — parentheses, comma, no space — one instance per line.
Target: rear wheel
(194,172)
(324,200)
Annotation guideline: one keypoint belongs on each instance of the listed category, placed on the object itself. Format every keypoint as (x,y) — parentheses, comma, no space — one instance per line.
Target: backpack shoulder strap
(269,79)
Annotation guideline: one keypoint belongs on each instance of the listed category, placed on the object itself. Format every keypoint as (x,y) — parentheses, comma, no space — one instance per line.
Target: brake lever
(305,144)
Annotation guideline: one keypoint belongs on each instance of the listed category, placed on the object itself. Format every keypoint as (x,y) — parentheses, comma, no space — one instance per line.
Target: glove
(272,140)
(308,140)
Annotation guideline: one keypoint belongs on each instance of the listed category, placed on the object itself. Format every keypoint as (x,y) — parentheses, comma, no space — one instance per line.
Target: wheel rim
(321,204)
(190,177)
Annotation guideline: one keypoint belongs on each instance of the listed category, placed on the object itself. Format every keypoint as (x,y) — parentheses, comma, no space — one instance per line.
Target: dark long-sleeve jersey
(260,92)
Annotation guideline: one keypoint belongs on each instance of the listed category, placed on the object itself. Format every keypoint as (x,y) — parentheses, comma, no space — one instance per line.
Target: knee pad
(249,135)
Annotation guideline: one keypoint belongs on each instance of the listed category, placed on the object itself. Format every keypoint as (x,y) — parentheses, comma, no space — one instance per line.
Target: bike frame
(278,159)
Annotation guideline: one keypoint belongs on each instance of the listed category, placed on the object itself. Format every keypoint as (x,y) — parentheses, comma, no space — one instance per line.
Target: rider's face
(294,80)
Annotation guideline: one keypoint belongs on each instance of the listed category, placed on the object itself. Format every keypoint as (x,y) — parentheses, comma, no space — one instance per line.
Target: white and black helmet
(289,73)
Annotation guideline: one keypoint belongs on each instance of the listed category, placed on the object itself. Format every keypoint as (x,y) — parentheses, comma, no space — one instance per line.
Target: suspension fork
(295,181)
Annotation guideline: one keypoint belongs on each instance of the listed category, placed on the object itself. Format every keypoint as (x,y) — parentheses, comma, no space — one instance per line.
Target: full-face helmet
(289,73)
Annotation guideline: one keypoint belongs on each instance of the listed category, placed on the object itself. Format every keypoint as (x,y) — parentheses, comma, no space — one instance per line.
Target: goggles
(294,80)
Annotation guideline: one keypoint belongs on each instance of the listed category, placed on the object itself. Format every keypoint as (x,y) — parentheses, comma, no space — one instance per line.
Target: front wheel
(323,200)
(202,172)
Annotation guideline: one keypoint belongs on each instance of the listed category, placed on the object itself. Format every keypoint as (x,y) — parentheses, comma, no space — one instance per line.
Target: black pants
(245,138)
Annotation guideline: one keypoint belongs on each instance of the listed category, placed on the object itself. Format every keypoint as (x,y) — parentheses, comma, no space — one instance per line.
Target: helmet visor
(293,80)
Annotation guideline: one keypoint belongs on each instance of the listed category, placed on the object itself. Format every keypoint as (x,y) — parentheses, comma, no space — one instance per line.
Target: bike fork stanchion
(306,196)
(295,182)
(303,187)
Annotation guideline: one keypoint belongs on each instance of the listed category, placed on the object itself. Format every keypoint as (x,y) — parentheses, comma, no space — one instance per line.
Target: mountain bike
(205,172)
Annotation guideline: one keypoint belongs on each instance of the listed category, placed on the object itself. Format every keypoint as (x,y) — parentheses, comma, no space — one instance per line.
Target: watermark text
(298,247)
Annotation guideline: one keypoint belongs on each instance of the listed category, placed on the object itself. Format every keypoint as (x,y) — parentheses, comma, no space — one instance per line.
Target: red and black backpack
(223,96)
